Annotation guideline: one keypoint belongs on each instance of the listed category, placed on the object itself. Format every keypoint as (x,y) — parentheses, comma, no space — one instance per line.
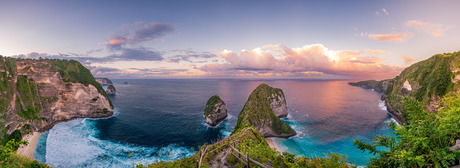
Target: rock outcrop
(111,90)
(278,103)
(104,81)
(257,112)
(215,111)
(426,81)
(37,94)
(379,86)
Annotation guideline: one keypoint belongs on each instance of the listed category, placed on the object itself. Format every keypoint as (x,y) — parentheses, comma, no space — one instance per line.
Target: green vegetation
(29,97)
(373,84)
(250,141)
(423,141)
(210,104)
(8,158)
(257,112)
(430,80)
(73,71)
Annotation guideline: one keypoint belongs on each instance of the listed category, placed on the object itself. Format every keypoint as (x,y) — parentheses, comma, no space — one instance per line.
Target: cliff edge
(257,112)
(37,94)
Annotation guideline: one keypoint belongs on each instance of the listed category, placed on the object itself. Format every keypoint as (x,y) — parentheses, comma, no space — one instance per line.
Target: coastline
(273,145)
(29,150)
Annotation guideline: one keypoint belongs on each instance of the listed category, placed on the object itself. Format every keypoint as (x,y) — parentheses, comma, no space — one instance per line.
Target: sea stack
(215,111)
(111,90)
(258,113)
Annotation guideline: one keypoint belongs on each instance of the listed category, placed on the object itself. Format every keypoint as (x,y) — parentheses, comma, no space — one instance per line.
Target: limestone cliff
(37,94)
(111,90)
(379,86)
(278,103)
(426,81)
(257,112)
(215,111)
(104,81)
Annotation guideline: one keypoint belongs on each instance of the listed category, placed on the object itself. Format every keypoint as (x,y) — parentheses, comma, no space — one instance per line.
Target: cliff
(215,111)
(111,90)
(104,81)
(37,94)
(257,112)
(427,81)
(379,86)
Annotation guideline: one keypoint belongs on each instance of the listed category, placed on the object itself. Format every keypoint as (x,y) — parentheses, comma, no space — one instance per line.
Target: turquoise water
(162,119)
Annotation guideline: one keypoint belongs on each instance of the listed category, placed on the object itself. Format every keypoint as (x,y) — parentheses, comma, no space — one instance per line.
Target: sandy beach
(273,145)
(28,150)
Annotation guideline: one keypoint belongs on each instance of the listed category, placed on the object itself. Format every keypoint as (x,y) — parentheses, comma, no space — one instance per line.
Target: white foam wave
(392,120)
(382,105)
(73,144)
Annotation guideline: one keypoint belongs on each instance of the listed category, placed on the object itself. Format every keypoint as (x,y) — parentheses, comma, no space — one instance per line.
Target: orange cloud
(407,59)
(395,38)
(434,29)
(115,42)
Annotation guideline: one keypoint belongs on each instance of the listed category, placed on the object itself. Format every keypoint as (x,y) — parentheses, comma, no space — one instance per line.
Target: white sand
(273,145)
(28,150)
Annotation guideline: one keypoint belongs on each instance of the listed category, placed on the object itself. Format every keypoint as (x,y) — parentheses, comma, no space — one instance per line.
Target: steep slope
(37,94)
(426,81)
(257,112)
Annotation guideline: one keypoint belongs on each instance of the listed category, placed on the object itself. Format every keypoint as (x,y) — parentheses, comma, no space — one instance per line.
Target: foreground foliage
(250,141)
(8,158)
(423,141)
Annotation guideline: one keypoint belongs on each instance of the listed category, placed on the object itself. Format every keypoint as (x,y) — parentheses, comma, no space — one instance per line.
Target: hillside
(37,94)
(258,113)
(427,81)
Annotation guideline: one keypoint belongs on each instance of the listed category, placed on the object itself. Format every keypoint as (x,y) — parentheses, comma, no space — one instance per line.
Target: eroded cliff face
(278,103)
(38,97)
(215,111)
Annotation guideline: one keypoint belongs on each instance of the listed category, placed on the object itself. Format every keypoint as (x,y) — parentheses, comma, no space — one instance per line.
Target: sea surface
(162,120)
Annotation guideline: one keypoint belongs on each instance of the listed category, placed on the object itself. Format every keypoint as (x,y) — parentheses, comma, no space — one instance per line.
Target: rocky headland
(426,81)
(258,112)
(215,111)
(37,94)
(111,90)
(104,81)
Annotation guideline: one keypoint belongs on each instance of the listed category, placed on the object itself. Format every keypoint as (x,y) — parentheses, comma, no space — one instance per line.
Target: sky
(327,39)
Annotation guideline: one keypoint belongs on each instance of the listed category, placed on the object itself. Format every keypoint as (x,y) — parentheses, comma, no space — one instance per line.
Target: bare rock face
(215,111)
(111,90)
(104,81)
(278,103)
(39,96)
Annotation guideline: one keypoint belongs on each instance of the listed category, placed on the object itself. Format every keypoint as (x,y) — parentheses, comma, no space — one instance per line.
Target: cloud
(407,59)
(309,60)
(191,56)
(124,54)
(138,33)
(434,29)
(386,12)
(136,54)
(395,38)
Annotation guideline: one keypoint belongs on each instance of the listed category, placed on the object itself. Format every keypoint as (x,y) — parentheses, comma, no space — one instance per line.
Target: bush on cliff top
(424,139)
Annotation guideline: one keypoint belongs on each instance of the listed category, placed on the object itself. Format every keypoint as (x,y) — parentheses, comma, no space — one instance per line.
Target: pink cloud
(395,38)
(309,60)
(434,29)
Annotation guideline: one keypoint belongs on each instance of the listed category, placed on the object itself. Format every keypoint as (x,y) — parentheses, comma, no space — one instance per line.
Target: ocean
(162,120)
